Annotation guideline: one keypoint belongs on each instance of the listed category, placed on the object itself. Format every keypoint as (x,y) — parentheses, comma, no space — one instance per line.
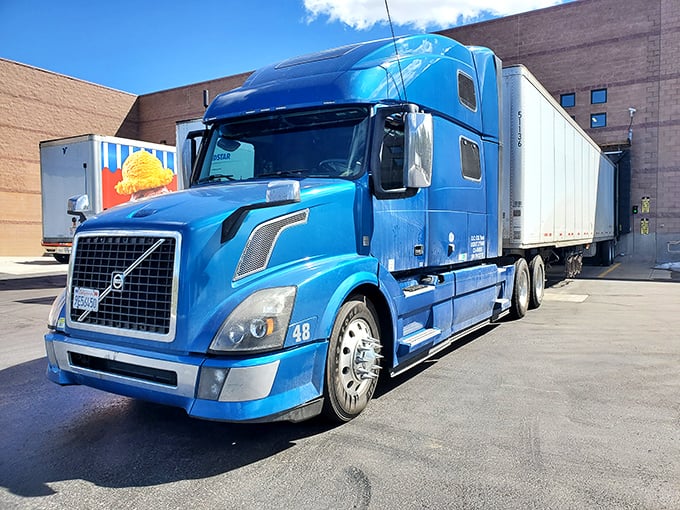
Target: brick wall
(631,48)
(161,110)
(38,105)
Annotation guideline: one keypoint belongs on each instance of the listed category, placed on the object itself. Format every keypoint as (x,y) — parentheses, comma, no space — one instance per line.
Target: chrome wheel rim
(359,358)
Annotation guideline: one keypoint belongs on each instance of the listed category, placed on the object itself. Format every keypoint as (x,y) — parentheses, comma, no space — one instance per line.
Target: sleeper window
(469,159)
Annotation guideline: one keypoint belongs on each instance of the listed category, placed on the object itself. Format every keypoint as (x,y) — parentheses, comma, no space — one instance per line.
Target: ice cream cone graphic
(143,176)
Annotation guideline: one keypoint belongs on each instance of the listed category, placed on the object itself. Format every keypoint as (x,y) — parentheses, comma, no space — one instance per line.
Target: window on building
(466,91)
(568,100)
(598,120)
(469,158)
(598,96)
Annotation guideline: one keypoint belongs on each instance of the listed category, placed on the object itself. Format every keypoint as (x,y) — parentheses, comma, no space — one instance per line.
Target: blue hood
(209,287)
(180,209)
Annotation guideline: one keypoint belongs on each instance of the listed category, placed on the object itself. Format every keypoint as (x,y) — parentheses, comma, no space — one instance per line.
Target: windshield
(310,143)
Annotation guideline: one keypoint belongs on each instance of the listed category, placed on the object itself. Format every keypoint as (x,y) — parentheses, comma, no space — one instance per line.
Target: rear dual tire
(607,253)
(529,286)
(537,272)
(521,290)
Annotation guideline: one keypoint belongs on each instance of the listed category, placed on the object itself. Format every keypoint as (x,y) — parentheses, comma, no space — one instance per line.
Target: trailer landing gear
(573,264)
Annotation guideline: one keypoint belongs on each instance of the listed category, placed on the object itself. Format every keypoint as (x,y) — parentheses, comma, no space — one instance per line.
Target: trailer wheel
(353,361)
(537,271)
(520,292)
(606,252)
(62,258)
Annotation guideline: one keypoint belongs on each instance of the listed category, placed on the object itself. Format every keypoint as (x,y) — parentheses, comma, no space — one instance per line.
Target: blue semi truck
(349,213)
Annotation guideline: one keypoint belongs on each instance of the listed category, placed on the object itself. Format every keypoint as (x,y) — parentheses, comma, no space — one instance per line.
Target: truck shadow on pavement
(34,283)
(51,434)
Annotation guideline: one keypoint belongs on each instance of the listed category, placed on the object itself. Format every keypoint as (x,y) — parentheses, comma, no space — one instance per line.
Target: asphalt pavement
(575,406)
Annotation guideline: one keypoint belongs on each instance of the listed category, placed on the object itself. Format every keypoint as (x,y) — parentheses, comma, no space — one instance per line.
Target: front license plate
(86,299)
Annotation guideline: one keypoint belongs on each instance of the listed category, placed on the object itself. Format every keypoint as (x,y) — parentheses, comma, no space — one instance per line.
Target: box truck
(350,213)
(92,166)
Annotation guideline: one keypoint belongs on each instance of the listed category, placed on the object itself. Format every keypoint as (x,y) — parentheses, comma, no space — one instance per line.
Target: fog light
(211,382)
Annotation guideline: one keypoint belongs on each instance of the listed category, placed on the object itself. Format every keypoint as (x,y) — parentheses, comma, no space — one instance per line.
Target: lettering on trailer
(222,157)
(519,128)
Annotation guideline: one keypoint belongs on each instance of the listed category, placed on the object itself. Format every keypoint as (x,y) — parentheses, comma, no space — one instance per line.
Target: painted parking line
(609,270)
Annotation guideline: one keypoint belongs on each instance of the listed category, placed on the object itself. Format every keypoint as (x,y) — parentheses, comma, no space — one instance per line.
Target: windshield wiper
(215,177)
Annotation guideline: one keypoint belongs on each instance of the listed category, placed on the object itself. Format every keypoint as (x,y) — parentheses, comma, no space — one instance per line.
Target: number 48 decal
(302,332)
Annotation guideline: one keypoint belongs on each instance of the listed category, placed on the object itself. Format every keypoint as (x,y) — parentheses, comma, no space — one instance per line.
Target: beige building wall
(37,105)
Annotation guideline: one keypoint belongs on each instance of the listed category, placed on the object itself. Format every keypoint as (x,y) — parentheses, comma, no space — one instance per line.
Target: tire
(353,361)
(62,258)
(537,272)
(606,252)
(520,291)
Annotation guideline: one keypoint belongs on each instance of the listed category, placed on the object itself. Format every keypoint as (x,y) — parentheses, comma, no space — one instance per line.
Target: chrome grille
(262,240)
(134,276)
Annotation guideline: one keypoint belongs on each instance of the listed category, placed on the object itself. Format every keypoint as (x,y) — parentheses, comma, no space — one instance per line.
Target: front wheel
(353,361)
(62,258)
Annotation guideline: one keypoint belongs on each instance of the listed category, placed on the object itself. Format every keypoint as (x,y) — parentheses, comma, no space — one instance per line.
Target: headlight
(258,324)
(53,321)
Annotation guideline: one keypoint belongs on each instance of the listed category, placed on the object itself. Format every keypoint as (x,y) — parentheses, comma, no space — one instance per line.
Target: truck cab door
(401,165)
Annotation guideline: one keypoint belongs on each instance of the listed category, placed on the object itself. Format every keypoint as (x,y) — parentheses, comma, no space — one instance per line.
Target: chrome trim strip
(170,335)
(187,375)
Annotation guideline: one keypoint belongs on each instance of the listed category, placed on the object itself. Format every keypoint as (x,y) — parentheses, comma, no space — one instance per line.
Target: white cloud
(419,14)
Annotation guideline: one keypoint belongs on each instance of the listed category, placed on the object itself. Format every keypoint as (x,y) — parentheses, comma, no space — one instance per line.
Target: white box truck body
(93,165)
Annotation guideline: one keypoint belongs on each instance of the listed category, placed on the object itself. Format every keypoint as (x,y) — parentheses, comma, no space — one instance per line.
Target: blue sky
(143,46)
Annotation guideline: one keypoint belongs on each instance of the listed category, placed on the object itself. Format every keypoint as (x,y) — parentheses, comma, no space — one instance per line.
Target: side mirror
(418,150)
(78,205)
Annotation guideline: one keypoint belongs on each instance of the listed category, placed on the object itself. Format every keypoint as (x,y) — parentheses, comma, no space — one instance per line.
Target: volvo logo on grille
(118,281)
